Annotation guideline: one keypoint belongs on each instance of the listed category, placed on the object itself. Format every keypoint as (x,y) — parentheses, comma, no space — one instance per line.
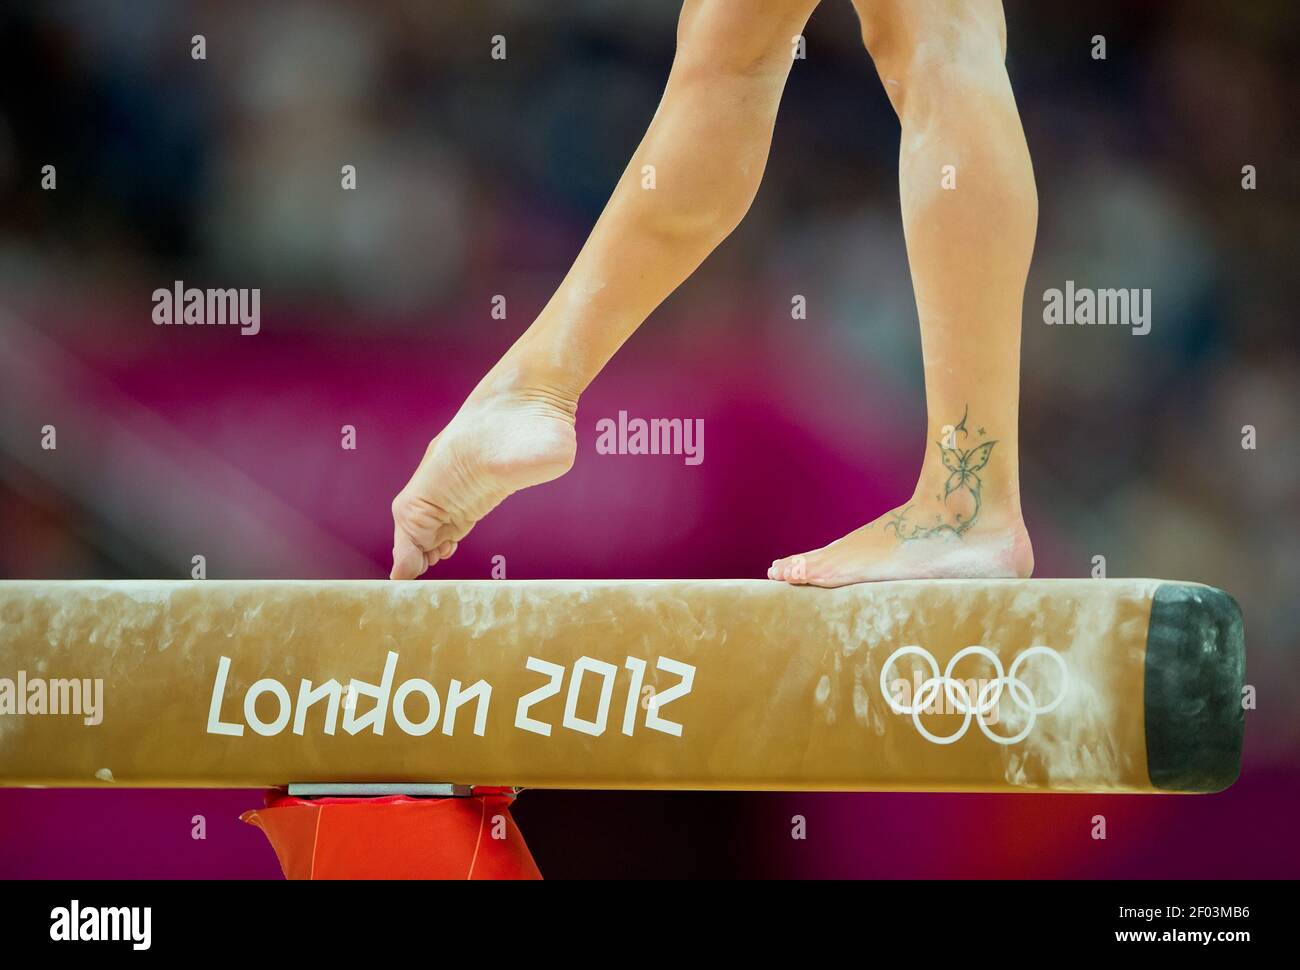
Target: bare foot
(963,522)
(501,440)
(917,541)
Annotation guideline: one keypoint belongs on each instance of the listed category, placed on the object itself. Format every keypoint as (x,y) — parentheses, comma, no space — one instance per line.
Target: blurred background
(479,178)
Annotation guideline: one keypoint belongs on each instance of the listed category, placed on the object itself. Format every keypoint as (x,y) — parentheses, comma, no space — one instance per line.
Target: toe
(794,570)
(416,524)
(788,570)
(408,558)
(797,573)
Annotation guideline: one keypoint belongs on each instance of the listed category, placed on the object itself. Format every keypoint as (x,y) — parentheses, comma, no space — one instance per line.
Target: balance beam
(1129,685)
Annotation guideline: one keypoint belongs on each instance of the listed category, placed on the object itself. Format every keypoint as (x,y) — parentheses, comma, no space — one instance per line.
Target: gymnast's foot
(963,522)
(920,540)
(509,434)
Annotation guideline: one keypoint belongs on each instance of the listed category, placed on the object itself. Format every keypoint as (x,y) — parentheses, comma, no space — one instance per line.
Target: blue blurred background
(479,177)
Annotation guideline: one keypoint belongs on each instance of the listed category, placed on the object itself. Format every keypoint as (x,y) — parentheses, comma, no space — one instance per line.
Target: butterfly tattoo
(964,466)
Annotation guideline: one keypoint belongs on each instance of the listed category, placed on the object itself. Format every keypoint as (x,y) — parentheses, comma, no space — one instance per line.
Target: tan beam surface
(710,684)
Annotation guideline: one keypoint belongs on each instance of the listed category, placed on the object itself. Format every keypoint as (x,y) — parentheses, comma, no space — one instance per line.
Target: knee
(922,45)
(731,64)
(739,36)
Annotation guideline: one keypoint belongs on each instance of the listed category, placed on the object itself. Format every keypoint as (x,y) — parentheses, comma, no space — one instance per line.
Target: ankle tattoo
(961,497)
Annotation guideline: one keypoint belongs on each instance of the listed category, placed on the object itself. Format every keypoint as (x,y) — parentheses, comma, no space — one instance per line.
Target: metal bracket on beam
(373,790)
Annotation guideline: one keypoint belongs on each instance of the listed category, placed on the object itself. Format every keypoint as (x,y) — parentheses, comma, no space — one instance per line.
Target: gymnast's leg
(970,234)
(708,145)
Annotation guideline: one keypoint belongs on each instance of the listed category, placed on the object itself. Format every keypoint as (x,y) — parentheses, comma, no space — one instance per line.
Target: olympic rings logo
(988,698)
